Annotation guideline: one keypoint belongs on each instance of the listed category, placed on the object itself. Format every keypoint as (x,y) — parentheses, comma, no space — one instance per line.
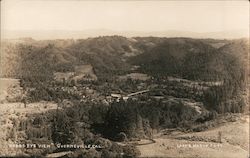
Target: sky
(195,16)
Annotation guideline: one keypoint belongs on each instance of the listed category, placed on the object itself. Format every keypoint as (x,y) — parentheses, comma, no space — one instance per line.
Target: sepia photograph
(124,78)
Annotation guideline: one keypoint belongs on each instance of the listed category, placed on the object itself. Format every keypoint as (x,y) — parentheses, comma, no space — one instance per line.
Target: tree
(62,129)
(121,117)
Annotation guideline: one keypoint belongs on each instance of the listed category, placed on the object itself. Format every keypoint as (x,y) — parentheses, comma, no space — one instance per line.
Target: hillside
(203,144)
(105,54)
(187,58)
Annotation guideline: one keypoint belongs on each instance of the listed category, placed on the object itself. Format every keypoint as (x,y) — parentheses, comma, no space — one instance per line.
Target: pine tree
(62,129)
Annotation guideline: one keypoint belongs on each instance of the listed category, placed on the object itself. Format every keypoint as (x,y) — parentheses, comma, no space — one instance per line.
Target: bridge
(139,92)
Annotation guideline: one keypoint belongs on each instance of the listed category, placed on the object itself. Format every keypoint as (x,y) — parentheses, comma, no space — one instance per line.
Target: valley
(133,97)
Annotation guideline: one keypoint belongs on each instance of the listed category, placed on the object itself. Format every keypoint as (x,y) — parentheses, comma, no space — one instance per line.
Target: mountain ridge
(78,34)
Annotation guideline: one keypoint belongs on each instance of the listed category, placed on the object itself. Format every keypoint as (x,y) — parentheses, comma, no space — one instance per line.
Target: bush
(91,153)
(110,154)
(116,148)
(131,151)
(104,143)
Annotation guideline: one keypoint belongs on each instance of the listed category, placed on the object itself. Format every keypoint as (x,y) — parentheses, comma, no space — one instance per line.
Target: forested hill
(194,60)
(111,55)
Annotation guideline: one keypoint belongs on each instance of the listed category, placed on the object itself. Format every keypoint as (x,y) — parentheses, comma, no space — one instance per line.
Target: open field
(10,88)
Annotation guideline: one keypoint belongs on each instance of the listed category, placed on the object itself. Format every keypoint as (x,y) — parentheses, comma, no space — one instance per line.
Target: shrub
(131,151)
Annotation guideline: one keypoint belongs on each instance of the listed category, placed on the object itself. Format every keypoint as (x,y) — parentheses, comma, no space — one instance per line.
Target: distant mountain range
(62,34)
